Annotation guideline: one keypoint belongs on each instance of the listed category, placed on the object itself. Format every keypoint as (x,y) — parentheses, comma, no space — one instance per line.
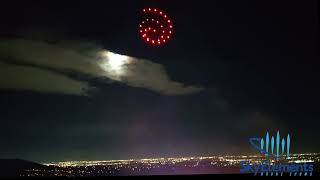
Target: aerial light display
(156,28)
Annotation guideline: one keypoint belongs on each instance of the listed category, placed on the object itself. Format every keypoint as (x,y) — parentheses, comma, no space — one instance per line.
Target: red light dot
(161,30)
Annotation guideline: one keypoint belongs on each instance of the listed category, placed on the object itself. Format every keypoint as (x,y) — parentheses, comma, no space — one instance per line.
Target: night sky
(245,67)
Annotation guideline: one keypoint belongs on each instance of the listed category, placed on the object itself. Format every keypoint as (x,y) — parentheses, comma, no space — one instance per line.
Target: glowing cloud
(97,63)
(114,63)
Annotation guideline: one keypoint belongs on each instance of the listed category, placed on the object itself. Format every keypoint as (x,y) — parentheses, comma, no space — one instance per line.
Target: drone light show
(156,28)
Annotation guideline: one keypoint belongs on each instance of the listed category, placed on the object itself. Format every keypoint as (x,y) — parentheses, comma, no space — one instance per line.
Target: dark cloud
(39,80)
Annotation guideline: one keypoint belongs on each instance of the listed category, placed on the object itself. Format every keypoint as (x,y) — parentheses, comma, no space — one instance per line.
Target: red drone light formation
(156,28)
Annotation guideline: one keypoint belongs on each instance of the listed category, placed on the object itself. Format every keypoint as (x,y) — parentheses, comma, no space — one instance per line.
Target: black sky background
(257,59)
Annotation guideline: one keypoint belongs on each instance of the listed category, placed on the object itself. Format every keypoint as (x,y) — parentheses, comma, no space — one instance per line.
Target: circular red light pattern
(154,32)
